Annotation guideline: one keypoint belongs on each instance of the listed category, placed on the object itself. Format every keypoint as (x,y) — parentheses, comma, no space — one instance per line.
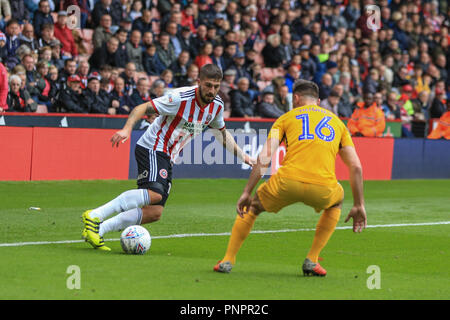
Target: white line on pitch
(186,235)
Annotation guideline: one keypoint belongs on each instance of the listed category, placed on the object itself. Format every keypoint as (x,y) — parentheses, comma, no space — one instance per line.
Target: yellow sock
(240,231)
(325,228)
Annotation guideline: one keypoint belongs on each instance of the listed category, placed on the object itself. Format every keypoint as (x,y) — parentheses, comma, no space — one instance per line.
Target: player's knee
(151,214)
(155,197)
(256,206)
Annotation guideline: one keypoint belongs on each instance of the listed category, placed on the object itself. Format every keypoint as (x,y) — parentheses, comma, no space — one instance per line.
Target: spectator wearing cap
(103,32)
(111,7)
(308,66)
(205,15)
(239,66)
(107,54)
(71,98)
(186,41)
(267,107)
(64,34)
(367,119)
(134,51)
(94,100)
(405,99)
(56,59)
(332,68)
(273,53)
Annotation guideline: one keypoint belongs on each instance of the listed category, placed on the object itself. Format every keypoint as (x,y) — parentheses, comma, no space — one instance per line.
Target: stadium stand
(362,46)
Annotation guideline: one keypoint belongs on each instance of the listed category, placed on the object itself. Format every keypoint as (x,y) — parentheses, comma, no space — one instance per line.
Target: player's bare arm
(227,140)
(358,211)
(136,114)
(263,162)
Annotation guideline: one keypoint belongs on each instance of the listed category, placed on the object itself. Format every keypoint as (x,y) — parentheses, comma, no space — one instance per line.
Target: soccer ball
(135,240)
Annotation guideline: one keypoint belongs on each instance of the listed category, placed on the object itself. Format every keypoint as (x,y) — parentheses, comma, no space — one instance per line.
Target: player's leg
(267,198)
(157,183)
(324,229)
(241,229)
(137,216)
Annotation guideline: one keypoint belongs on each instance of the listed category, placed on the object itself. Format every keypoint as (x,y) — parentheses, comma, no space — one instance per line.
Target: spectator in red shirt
(64,34)
(204,56)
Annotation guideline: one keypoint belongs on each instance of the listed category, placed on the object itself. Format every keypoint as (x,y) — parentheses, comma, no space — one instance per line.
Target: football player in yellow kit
(313,137)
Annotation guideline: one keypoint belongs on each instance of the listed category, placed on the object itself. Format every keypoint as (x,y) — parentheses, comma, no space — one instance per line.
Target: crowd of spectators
(372,64)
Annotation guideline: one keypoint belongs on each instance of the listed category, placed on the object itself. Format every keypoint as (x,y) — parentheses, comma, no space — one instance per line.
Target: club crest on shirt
(163,173)
(208,118)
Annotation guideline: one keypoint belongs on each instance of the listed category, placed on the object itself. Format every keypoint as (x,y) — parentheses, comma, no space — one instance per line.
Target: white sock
(128,200)
(121,221)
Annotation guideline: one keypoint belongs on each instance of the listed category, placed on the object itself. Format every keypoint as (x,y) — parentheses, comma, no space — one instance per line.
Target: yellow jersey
(313,137)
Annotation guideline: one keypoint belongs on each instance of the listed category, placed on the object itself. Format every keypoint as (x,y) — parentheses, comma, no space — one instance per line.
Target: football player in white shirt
(183,113)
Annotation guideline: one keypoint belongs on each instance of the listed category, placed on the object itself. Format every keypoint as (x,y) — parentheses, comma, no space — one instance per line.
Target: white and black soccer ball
(135,240)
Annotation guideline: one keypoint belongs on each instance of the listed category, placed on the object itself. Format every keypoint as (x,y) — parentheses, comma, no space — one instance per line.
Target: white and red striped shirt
(181,117)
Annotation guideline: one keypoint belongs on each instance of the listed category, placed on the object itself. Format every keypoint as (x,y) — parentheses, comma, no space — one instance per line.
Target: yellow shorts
(279,192)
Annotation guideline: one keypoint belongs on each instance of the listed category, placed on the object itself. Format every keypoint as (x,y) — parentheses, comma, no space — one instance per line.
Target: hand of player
(121,135)
(243,203)
(249,160)
(358,213)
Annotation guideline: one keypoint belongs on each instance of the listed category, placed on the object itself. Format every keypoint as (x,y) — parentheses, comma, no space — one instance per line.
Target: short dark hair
(306,88)
(211,71)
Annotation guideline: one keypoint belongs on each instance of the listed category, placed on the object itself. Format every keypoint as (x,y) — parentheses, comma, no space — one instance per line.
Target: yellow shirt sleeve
(277,130)
(346,138)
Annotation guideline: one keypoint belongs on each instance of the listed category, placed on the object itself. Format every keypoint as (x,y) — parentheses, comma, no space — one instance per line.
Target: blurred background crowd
(374,61)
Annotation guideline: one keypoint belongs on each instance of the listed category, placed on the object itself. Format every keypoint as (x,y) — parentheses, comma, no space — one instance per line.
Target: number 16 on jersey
(307,135)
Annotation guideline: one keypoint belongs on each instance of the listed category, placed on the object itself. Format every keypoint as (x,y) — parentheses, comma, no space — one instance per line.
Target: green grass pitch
(414,261)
